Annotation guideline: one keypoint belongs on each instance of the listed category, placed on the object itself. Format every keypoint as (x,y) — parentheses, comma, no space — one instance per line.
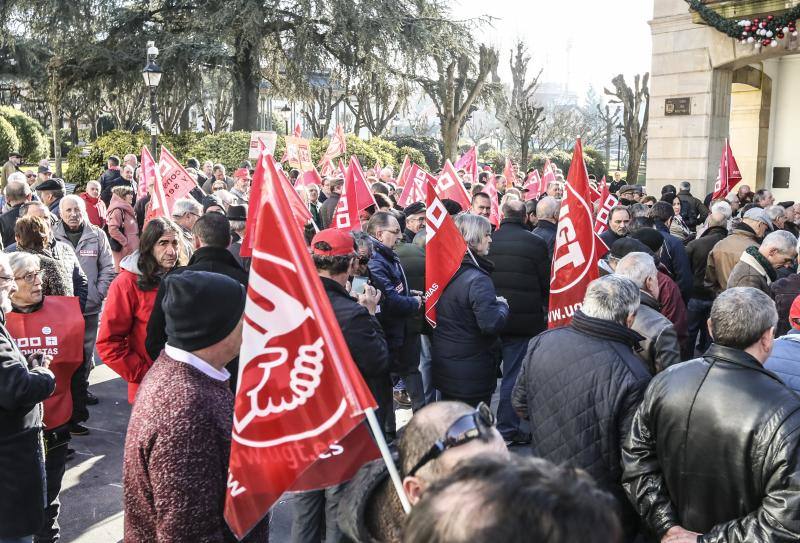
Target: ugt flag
(300,394)
(444,250)
(729,173)
(606,203)
(577,248)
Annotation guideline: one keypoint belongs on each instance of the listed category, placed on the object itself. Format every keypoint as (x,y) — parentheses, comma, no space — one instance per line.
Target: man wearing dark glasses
(437,439)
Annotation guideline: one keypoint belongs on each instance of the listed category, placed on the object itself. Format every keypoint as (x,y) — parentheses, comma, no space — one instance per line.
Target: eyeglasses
(30,277)
(475,425)
(30,175)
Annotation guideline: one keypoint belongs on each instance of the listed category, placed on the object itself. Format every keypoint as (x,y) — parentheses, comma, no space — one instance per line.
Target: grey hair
(77,200)
(17,176)
(226,197)
(17,191)
(238,226)
(473,228)
(775,212)
(93,183)
(186,205)
(21,261)
(723,207)
(379,221)
(548,208)
(717,219)
(638,210)
(783,241)
(740,316)
(611,298)
(638,267)
(685,185)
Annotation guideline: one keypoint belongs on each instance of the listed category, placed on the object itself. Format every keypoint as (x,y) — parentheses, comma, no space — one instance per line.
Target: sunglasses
(475,425)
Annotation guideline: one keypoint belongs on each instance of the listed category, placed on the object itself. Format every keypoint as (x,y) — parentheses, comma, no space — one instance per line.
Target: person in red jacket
(95,208)
(123,324)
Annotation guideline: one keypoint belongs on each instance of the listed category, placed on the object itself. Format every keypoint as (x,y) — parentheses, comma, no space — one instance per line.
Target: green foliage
(8,139)
(562,159)
(495,159)
(33,143)
(595,162)
(415,156)
(484,148)
(428,146)
(372,151)
(227,148)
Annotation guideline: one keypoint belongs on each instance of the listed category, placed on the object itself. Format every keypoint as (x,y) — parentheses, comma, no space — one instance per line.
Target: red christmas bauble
(765,42)
(748,28)
(780,35)
(770,17)
(755,21)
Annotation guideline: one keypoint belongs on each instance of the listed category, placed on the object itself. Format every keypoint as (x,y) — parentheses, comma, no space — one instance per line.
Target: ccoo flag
(605,204)
(577,247)
(729,173)
(490,188)
(444,250)
(300,394)
(450,186)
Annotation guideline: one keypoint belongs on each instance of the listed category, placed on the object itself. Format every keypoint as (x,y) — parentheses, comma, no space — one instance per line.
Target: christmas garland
(760,32)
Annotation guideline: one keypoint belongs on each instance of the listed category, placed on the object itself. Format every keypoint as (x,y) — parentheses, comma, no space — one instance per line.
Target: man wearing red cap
(785,357)
(241,185)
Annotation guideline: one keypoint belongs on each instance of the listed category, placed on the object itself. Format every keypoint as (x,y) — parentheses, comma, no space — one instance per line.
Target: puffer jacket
(725,254)
(784,360)
(469,320)
(397,304)
(522,276)
(687,464)
(123,326)
(592,363)
(22,484)
(659,348)
(784,291)
(94,256)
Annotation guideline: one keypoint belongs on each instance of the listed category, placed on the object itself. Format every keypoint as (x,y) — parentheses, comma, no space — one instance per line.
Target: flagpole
(377,433)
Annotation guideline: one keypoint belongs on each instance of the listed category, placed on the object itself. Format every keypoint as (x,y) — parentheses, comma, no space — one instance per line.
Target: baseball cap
(758,214)
(340,242)
(794,314)
(242,173)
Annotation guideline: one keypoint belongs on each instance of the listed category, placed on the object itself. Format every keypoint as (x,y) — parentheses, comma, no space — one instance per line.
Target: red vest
(56,329)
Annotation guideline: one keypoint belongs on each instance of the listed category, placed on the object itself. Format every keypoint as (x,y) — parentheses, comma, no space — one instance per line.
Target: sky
(582,42)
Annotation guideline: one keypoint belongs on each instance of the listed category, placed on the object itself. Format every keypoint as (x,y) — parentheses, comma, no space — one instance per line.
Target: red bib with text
(55,329)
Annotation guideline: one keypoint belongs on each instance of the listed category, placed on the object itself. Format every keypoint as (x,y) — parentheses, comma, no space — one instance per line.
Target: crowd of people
(665,411)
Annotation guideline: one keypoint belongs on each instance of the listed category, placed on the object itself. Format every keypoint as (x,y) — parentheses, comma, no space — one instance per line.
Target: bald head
(17,191)
(717,219)
(514,209)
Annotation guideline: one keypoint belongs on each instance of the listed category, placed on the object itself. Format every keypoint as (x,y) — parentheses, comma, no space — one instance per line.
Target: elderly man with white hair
(185,213)
(758,266)
(546,222)
(17,192)
(95,208)
(660,348)
(94,256)
(581,384)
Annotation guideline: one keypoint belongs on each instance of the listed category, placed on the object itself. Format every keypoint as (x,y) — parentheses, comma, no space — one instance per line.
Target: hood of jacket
(119,203)
(131,263)
(370,494)
(715,230)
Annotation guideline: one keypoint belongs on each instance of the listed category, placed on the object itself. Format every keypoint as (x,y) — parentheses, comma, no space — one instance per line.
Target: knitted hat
(794,314)
(200,308)
(650,237)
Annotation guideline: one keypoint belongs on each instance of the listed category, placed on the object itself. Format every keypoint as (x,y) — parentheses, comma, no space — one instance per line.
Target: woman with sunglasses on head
(470,316)
(50,326)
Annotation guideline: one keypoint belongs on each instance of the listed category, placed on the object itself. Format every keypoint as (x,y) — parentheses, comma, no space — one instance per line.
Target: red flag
(577,247)
(336,147)
(444,250)
(548,175)
(533,185)
(328,168)
(490,188)
(508,173)
(729,173)
(345,217)
(300,211)
(299,390)
(403,173)
(310,177)
(175,180)
(298,131)
(607,201)
(414,191)
(364,194)
(469,161)
(449,186)
(148,174)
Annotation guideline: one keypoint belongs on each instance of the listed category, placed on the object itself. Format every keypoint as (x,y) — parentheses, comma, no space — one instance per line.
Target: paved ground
(91,496)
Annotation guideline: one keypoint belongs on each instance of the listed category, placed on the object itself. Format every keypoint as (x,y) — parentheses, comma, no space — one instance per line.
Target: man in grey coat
(94,256)
(660,348)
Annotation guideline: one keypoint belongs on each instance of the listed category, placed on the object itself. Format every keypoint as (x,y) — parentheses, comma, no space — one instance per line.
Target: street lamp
(285,112)
(620,128)
(152,77)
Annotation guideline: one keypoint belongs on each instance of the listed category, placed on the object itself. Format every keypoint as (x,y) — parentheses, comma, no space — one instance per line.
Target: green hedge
(8,139)
(430,148)
(33,144)
(228,148)
(595,164)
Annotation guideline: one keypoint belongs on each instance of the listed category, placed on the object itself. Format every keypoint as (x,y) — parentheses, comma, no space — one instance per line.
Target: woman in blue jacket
(470,316)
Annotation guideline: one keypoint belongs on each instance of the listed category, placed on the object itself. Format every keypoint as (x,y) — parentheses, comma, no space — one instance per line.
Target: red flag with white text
(548,174)
(444,250)
(414,191)
(606,203)
(449,186)
(336,147)
(469,161)
(577,248)
(175,180)
(490,188)
(728,174)
(363,191)
(533,185)
(148,173)
(300,394)
(345,217)
(508,173)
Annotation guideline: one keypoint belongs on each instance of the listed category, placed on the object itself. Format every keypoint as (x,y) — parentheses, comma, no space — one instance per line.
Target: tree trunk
(525,148)
(184,122)
(55,115)
(450,139)
(634,159)
(246,79)
(73,129)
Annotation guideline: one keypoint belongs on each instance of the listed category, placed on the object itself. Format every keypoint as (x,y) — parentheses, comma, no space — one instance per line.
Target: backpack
(115,245)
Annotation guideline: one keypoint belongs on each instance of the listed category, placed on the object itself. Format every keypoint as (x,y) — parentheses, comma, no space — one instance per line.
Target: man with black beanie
(179,434)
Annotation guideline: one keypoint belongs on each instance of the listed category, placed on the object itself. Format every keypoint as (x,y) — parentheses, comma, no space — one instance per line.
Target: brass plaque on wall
(678,106)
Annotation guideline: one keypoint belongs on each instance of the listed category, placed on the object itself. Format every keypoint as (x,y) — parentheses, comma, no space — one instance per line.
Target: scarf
(761,259)
(604,329)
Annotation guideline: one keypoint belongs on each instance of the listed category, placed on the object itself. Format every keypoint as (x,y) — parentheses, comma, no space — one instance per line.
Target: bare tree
(609,119)
(558,130)
(320,109)
(477,129)
(380,97)
(420,125)
(635,117)
(459,83)
(521,116)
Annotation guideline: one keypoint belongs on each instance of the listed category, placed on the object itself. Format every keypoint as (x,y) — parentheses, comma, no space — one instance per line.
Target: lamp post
(152,77)
(285,112)
(619,145)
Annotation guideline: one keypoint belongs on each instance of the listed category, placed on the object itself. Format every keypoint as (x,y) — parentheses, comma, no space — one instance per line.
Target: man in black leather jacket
(713,451)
